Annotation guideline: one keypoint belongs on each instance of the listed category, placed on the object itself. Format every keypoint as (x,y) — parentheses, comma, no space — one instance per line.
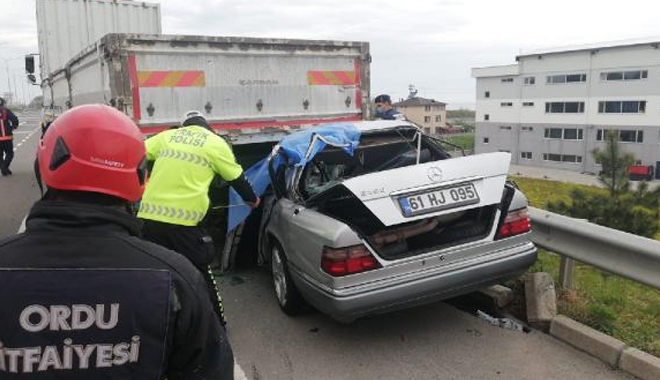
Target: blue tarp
(294,147)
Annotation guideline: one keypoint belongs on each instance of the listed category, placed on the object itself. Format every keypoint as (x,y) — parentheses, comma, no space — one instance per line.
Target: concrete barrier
(585,338)
(640,364)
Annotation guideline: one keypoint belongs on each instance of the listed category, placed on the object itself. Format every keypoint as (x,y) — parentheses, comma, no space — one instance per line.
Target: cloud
(429,43)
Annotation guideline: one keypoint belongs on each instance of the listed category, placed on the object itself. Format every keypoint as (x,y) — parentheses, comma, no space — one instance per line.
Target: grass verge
(616,306)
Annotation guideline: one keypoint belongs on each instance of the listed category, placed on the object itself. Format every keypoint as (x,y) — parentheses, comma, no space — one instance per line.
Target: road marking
(26,138)
(238,372)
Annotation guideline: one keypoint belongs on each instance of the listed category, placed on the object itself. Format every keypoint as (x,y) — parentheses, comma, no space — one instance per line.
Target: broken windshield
(375,153)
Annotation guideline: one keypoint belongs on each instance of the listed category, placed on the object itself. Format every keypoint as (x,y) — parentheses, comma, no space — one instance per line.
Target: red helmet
(94,148)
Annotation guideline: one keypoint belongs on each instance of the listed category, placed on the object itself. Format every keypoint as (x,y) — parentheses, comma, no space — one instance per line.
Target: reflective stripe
(171,212)
(184,156)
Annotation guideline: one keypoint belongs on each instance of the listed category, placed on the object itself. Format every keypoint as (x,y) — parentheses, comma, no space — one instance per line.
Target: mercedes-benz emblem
(435,174)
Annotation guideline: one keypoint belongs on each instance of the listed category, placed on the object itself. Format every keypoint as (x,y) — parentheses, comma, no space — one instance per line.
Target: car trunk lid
(433,189)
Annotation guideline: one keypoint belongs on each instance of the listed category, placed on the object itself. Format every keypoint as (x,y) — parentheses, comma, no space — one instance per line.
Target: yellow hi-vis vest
(187,159)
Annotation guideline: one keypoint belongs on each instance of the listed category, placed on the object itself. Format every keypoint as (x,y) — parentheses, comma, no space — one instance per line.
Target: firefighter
(384,108)
(8,122)
(176,198)
(82,296)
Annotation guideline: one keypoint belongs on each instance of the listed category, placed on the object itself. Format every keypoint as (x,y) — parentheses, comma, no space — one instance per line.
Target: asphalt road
(19,191)
(436,341)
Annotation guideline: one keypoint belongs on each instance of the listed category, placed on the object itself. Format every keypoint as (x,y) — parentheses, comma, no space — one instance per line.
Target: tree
(636,212)
(615,162)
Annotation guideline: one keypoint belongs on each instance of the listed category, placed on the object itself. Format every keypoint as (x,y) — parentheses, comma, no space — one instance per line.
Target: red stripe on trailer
(257,124)
(190,78)
(317,77)
(358,84)
(344,77)
(135,87)
(155,79)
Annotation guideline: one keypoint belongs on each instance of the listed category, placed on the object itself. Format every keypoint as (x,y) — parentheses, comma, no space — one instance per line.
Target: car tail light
(516,222)
(349,260)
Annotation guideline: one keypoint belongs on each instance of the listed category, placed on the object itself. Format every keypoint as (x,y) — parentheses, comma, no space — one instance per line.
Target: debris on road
(505,323)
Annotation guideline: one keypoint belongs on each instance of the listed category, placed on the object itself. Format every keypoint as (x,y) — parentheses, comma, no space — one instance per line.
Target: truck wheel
(290,300)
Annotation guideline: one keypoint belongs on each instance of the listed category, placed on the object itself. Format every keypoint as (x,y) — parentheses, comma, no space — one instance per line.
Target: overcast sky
(432,44)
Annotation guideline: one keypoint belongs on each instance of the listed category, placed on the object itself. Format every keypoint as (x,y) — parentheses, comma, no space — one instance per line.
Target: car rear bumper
(427,287)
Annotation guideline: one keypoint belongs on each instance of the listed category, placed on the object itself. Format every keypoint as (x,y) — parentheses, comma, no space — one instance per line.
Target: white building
(550,108)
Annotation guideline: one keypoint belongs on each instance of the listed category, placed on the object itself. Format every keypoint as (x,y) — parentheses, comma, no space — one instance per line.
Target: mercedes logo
(435,174)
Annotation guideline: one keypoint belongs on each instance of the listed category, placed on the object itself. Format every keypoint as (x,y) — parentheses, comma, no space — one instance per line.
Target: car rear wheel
(290,300)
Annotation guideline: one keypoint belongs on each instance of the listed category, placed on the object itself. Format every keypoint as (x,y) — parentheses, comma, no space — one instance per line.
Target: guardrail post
(567,273)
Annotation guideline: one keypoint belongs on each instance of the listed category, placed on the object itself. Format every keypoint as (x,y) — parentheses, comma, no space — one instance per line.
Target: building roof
(496,71)
(592,46)
(418,102)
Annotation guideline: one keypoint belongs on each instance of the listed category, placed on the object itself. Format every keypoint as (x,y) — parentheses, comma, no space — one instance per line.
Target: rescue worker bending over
(176,199)
(8,122)
(82,296)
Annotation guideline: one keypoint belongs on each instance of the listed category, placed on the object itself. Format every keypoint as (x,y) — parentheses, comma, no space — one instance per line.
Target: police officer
(82,296)
(384,108)
(8,122)
(176,199)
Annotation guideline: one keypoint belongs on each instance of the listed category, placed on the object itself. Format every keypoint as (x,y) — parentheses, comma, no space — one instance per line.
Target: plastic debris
(505,323)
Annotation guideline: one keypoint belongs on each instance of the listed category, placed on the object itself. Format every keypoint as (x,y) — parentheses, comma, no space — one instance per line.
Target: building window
(427,131)
(571,158)
(506,104)
(562,158)
(486,117)
(526,128)
(438,108)
(625,135)
(564,133)
(528,104)
(526,155)
(486,140)
(530,80)
(573,134)
(553,133)
(566,78)
(438,118)
(487,94)
(564,107)
(624,75)
(622,106)
(427,119)
(427,108)
(505,127)
(507,80)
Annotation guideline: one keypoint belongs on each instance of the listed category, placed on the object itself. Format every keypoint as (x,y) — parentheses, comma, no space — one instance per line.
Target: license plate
(438,199)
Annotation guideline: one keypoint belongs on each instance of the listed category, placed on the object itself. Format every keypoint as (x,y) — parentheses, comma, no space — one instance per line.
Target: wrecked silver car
(393,223)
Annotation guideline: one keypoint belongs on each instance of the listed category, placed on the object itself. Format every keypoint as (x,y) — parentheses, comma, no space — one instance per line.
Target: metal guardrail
(621,253)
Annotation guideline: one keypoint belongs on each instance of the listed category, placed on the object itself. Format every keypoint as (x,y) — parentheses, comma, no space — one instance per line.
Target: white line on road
(25,139)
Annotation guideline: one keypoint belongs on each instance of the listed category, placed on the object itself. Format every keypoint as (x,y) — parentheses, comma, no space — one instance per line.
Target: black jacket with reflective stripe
(8,122)
(72,235)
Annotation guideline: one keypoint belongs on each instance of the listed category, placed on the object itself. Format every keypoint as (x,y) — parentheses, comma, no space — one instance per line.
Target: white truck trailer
(238,83)
(111,52)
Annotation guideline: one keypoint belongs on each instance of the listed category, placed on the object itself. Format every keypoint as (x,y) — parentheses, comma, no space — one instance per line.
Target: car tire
(286,293)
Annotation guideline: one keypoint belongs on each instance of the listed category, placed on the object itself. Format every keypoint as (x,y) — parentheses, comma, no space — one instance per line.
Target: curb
(501,295)
(600,345)
(612,351)
(640,364)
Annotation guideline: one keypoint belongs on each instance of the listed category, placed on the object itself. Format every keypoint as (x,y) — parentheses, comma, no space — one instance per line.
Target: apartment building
(552,107)
(427,113)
